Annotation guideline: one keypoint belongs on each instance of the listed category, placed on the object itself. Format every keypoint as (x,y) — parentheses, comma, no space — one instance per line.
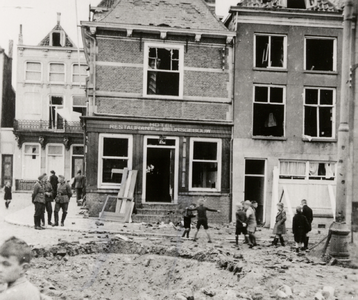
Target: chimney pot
(20,36)
(58,18)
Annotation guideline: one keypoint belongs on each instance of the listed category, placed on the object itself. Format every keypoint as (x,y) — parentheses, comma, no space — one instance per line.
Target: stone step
(140,218)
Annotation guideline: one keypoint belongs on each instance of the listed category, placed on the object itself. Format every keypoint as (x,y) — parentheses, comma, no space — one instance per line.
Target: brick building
(160,95)
(50,100)
(286,112)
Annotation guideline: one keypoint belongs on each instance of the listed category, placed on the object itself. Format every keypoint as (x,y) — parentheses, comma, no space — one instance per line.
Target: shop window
(57,73)
(270,51)
(32,161)
(33,71)
(163,71)
(269,111)
(319,113)
(79,74)
(307,170)
(320,54)
(55,158)
(55,119)
(115,154)
(205,164)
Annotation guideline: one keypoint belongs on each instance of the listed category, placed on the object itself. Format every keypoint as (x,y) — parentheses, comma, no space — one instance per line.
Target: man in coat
(79,184)
(38,199)
(54,183)
(64,194)
(307,212)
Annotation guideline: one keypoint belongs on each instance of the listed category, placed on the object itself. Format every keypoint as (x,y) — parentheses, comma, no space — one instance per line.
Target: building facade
(7,114)
(160,102)
(50,101)
(286,108)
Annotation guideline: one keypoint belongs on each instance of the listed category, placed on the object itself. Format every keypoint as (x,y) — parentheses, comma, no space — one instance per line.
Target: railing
(43,125)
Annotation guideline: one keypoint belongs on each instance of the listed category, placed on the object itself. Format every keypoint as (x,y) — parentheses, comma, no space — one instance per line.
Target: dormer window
(57,39)
(300,4)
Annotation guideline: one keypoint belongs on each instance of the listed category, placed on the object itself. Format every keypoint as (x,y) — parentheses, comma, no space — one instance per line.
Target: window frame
(334,106)
(101,137)
(335,51)
(76,155)
(78,74)
(269,35)
(64,73)
(284,98)
(26,70)
(23,158)
(82,106)
(49,103)
(148,45)
(62,38)
(218,161)
(57,155)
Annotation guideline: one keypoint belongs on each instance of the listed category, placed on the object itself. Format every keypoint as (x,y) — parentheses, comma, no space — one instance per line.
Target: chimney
(212,5)
(58,18)
(21,40)
(11,46)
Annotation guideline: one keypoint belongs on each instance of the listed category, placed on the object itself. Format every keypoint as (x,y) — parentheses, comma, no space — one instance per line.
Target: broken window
(319,113)
(163,71)
(310,170)
(205,164)
(33,71)
(300,4)
(56,39)
(55,120)
(79,74)
(320,54)
(270,51)
(57,73)
(269,111)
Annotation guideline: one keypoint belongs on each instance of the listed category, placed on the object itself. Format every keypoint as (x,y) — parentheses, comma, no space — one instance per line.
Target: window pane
(268,120)
(80,70)
(204,175)
(311,121)
(292,168)
(277,52)
(164,141)
(261,94)
(60,68)
(319,54)
(77,78)
(205,150)
(33,66)
(56,100)
(311,96)
(325,122)
(254,167)
(276,95)
(34,76)
(111,167)
(163,83)
(79,100)
(326,97)
(55,150)
(115,147)
(31,149)
(78,150)
(262,51)
(57,77)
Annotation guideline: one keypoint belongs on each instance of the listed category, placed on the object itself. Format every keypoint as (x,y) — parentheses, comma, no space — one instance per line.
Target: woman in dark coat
(7,194)
(300,227)
(280,227)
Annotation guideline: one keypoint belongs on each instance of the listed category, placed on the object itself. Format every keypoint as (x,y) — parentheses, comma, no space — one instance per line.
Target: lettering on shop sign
(158,127)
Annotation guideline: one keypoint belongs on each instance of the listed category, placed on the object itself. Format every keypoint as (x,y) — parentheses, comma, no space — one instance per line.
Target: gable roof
(46,40)
(183,14)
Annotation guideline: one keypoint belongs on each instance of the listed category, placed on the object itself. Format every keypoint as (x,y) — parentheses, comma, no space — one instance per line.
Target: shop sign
(158,127)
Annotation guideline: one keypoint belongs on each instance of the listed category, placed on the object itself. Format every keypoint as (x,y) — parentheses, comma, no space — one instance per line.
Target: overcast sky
(38,17)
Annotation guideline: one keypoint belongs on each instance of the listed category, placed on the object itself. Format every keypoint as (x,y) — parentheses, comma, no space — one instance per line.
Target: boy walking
(188,215)
(202,218)
(240,223)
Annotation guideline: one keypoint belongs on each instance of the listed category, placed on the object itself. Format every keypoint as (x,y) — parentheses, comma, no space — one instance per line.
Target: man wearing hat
(38,199)
(64,193)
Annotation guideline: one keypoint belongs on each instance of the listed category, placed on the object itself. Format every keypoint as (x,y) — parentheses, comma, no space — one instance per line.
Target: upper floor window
(320,54)
(269,111)
(33,71)
(319,112)
(270,51)
(163,70)
(57,73)
(301,4)
(57,39)
(55,119)
(79,104)
(79,74)
(307,170)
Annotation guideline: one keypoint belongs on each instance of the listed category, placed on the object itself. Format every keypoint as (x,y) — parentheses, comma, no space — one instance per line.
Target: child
(15,256)
(300,227)
(187,216)
(240,223)
(280,227)
(251,224)
(202,218)
(7,194)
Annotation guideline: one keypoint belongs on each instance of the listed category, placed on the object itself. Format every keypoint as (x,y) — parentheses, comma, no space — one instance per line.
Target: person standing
(7,194)
(48,204)
(38,199)
(280,226)
(64,194)
(79,184)
(251,224)
(54,183)
(300,227)
(308,213)
(187,216)
(240,223)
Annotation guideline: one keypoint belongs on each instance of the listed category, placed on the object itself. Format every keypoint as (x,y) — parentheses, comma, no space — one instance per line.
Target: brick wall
(120,51)
(203,57)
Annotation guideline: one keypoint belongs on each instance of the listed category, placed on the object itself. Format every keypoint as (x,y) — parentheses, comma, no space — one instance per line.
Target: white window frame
(148,45)
(334,39)
(62,38)
(23,158)
(284,51)
(64,73)
(57,155)
(76,155)
(218,161)
(78,74)
(101,137)
(82,106)
(57,106)
(284,98)
(25,71)
(334,101)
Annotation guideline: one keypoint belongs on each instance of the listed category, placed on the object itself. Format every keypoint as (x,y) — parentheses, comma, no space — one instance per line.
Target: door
(77,165)
(6,169)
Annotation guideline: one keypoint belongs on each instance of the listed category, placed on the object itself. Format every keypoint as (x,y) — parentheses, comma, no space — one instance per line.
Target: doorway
(160,178)
(6,174)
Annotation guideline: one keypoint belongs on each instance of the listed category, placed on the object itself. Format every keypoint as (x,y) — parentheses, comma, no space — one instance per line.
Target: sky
(38,17)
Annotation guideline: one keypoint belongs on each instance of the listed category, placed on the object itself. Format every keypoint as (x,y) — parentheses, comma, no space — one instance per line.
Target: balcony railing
(43,125)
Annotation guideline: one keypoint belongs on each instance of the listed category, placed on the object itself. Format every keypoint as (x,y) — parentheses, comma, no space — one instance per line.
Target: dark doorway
(160,175)
(6,169)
